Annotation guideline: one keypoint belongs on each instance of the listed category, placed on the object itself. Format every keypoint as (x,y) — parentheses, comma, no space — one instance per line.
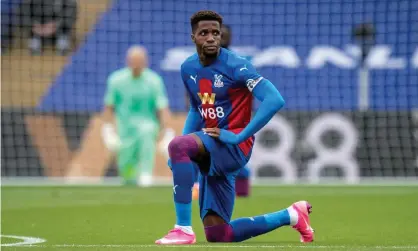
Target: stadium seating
(26,78)
(305,48)
(305,34)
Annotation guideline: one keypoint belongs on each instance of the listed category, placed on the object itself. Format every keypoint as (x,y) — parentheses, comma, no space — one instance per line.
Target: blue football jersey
(221,92)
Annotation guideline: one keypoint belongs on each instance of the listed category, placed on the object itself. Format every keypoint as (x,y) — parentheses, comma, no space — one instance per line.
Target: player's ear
(193,38)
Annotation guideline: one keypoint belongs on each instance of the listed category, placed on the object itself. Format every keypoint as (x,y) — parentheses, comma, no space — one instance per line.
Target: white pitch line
(25,240)
(218,246)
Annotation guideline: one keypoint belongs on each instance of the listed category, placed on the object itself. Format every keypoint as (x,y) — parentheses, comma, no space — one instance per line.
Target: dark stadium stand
(26,78)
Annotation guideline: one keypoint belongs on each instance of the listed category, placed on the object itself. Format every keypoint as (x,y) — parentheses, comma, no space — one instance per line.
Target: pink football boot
(177,237)
(303,208)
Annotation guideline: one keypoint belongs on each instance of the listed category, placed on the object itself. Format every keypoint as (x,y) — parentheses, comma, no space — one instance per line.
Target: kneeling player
(219,139)
(242,181)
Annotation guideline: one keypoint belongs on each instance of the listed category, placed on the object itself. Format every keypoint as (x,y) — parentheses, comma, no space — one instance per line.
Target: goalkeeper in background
(136,99)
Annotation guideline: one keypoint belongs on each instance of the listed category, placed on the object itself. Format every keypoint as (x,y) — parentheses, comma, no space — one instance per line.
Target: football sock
(242,187)
(186,229)
(245,228)
(242,182)
(180,150)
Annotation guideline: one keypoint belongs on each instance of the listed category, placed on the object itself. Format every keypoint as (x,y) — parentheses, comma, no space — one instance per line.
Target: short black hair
(204,15)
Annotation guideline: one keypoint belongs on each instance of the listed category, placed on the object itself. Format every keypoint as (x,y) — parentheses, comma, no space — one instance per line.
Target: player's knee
(212,237)
(216,229)
(219,233)
(182,146)
(175,145)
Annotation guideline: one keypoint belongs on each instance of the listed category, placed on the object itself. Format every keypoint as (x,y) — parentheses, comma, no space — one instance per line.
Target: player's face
(207,37)
(226,38)
(136,62)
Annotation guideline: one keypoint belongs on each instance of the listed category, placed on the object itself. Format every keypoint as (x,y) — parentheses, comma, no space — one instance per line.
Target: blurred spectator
(226,36)
(49,20)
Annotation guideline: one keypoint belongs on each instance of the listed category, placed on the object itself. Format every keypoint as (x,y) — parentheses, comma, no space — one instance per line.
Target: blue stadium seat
(162,25)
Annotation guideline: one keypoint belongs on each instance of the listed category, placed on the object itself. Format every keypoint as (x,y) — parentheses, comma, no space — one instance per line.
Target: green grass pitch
(128,218)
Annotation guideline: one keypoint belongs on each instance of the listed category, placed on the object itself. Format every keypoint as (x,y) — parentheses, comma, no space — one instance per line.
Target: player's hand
(213,132)
(110,138)
(168,136)
(223,135)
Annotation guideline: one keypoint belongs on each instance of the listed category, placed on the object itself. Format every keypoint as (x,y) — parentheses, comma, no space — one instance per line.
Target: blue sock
(180,150)
(183,176)
(246,228)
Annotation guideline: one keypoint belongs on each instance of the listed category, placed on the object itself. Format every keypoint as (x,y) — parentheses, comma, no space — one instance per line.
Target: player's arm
(262,89)
(271,102)
(108,115)
(109,135)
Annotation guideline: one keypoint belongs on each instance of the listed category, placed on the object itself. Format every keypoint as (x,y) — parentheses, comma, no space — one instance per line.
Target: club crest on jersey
(218,81)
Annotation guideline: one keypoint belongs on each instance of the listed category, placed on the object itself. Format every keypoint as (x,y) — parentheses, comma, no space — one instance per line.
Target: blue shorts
(217,186)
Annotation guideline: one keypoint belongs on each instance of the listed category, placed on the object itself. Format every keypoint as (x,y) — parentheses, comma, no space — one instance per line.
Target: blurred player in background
(136,98)
(218,137)
(242,182)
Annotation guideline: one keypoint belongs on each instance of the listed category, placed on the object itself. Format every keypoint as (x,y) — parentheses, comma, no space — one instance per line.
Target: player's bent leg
(242,182)
(217,194)
(245,228)
(297,215)
(181,150)
(216,229)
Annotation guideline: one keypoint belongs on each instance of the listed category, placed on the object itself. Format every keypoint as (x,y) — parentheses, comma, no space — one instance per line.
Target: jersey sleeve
(161,94)
(110,94)
(246,74)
